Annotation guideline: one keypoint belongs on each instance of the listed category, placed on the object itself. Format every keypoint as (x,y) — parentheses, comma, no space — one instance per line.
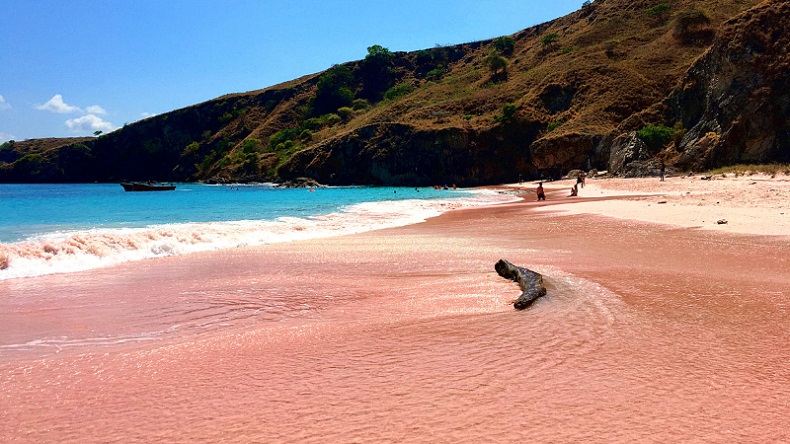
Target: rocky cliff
(735,99)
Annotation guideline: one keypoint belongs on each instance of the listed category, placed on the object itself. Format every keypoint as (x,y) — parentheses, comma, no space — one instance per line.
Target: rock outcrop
(399,154)
(735,100)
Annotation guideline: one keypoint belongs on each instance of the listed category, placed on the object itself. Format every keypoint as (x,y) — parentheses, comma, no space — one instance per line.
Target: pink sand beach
(660,325)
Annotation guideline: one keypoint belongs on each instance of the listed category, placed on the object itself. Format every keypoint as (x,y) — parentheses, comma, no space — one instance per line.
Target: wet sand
(649,333)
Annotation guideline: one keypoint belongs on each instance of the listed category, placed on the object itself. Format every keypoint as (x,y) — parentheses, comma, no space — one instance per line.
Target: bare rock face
(695,155)
(735,100)
(626,149)
(399,154)
(564,152)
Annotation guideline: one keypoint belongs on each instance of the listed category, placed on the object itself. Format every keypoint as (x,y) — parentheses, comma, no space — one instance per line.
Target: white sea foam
(65,252)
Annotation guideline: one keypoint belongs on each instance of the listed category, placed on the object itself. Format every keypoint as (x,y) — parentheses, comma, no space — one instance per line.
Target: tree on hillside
(504,45)
(378,74)
(334,90)
(496,63)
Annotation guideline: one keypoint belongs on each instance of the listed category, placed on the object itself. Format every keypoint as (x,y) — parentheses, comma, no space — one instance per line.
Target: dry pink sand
(756,204)
(649,333)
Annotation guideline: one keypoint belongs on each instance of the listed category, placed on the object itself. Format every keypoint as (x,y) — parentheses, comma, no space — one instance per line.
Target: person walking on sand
(541,193)
(663,170)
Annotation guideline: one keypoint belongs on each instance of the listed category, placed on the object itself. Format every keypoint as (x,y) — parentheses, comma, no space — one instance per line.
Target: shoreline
(644,325)
(64,251)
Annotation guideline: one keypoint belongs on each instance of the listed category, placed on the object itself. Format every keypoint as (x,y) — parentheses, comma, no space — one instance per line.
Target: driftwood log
(530,282)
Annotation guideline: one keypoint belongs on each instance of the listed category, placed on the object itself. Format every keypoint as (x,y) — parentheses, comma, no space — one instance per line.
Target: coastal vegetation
(656,136)
(561,95)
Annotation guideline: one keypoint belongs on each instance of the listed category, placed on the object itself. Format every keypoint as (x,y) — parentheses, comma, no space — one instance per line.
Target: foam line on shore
(65,252)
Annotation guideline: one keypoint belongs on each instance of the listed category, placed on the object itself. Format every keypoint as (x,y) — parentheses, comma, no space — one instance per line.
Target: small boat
(147,186)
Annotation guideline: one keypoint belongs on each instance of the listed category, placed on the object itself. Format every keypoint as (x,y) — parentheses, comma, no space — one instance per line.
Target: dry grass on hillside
(614,57)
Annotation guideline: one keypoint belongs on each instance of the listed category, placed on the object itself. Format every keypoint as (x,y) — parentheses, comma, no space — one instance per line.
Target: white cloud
(95,109)
(89,122)
(56,105)
(3,104)
(146,115)
(6,137)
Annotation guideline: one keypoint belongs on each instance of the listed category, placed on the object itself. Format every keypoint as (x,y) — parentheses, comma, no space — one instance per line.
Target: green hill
(615,85)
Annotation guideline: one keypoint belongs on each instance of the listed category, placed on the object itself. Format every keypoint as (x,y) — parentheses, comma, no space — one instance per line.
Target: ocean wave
(66,252)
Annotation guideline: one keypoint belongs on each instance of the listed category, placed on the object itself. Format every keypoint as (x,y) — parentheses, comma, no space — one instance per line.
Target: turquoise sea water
(47,228)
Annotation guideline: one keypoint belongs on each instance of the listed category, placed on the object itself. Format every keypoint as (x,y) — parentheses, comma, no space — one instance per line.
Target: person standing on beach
(580,178)
(541,193)
(663,170)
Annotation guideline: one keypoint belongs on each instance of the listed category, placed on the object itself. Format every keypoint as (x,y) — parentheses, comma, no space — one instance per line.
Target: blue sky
(69,68)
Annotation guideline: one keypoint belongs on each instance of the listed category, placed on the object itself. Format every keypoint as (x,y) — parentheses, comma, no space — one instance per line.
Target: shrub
(346,113)
(331,119)
(436,74)
(554,125)
(549,41)
(398,90)
(313,124)
(655,137)
(659,12)
(232,114)
(192,148)
(251,145)
(504,45)
(360,104)
(287,148)
(226,117)
(495,62)
(508,113)
(283,136)
(306,135)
